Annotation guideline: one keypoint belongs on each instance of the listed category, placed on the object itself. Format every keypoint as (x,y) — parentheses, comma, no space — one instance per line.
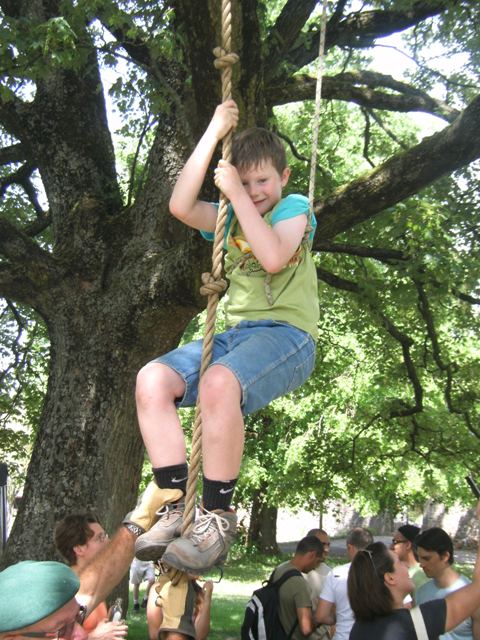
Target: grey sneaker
(207,544)
(152,544)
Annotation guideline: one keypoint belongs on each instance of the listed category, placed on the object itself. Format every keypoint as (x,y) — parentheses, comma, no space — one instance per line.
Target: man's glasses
(397,541)
(64,632)
(101,537)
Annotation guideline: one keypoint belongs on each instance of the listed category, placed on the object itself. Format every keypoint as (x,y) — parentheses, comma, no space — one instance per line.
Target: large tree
(100,260)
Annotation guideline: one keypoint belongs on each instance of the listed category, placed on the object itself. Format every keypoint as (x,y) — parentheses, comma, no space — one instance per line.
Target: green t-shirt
(417,574)
(291,295)
(294,594)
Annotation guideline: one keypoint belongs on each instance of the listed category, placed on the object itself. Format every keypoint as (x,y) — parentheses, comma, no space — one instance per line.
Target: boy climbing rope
(268,349)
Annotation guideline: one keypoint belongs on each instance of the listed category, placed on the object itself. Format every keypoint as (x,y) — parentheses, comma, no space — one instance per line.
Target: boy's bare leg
(222,441)
(158,387)
(222,424)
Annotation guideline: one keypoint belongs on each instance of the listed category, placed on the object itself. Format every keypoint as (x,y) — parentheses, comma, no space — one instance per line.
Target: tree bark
(262,532)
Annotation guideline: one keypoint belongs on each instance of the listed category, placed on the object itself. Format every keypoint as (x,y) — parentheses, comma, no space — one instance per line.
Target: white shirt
(316,579)
(335,592)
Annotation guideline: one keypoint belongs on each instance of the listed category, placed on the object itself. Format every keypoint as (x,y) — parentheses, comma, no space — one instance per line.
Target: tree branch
(448,368)
(360,87)
(402,175)
(465,296)
(21,177)
(122,28)
(28,270)
(400,408)
(360,29)
(286,29)
(380,254)
(12,153)
(387,130)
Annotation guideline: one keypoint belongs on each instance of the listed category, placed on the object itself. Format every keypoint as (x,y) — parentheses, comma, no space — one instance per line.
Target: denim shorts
(268,358)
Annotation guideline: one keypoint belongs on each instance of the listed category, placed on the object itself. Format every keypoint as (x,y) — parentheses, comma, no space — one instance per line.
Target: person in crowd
(78,538)
(334,607)
(179,608)
(47,598)
(436,556)
(295,599)
(316,579)
(378,583)
(403,544)
(141,571)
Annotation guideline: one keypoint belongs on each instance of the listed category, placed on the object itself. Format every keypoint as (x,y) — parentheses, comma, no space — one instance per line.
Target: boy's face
(264,185)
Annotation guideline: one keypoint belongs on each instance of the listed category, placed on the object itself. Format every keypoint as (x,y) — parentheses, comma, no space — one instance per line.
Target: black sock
(217,494)
(174,477)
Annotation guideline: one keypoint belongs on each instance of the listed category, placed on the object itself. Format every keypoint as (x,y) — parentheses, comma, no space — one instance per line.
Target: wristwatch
(134,528)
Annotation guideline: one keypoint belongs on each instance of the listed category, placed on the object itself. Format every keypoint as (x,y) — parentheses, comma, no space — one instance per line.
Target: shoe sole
(150,550)
(172,560)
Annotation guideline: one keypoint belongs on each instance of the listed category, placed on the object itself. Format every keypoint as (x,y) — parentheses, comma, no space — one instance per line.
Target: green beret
(31,591)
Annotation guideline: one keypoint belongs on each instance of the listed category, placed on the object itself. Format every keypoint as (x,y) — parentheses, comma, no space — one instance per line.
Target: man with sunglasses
(403,545)
(46,600)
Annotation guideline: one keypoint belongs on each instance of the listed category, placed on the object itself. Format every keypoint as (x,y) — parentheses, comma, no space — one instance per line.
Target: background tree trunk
(262,531)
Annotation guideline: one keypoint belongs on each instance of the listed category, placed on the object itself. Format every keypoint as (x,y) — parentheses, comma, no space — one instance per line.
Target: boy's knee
(155,381)
(217,385)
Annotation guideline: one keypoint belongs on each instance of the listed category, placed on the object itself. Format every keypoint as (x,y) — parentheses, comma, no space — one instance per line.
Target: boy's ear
(285,176)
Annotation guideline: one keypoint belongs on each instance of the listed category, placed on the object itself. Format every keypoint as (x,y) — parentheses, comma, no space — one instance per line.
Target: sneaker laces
(171,509)
(208,521)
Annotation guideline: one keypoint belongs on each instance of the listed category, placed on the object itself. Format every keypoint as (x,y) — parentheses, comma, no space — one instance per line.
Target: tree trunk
(262,532)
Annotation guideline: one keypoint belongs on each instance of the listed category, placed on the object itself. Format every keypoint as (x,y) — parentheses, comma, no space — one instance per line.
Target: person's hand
(227,179)
(145,513)
(208,588)
(224,119)
(105,630)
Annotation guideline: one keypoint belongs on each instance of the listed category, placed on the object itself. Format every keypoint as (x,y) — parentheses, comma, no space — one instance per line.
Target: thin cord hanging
(318,100)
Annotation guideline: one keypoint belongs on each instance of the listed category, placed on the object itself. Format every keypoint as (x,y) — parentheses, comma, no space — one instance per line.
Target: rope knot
(211,286)
(224,59)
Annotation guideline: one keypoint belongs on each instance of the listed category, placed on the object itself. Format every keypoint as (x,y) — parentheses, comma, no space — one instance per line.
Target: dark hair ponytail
(367,592)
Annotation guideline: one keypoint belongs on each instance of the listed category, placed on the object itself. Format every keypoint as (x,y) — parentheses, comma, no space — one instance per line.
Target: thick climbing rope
(318,101)
(213,284)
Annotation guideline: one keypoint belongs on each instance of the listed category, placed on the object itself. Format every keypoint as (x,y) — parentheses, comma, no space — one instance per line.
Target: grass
(243,573)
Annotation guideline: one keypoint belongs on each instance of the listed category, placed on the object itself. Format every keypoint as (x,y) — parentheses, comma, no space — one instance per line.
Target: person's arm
(202,621)
(154,614)
(272,246)
(109,566)
(325,612)
(463,603)
(476,625)
(184,202)
(106,569)
(305,620)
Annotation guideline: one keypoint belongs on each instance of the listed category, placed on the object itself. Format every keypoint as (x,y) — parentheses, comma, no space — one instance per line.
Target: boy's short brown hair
(72,531)
(256,145)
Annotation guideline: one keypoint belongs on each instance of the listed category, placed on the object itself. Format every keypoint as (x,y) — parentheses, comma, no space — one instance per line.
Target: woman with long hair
(377,585)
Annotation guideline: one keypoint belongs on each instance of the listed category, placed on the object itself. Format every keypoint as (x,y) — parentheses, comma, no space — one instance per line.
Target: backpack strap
(419,623)
(278,583)
(288,574)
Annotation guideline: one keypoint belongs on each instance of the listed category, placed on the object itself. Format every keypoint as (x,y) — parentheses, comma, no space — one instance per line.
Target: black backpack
(261,621)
